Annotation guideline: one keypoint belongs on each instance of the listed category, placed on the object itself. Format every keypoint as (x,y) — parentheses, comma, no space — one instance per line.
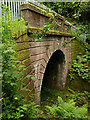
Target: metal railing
(11,9)
(79,33)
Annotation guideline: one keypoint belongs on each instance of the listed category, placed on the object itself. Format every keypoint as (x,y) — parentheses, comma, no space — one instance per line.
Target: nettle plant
(14,104)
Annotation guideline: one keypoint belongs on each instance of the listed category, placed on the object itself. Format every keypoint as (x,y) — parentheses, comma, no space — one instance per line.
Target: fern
(67,109)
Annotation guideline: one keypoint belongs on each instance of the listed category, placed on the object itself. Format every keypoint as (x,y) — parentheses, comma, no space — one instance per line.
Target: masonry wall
(35,55)
(77,48)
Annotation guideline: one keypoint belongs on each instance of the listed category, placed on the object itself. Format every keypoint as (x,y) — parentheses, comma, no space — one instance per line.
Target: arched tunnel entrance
(54,76)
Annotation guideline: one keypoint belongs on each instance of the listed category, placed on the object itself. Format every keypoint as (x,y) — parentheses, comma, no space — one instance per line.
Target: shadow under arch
(54,76)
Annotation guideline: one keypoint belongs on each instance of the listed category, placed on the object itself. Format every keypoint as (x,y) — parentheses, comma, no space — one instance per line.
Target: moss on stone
(67,23)
(43,12)
(77,84)
(21,33)
(58,33)
(49,32)
(76,49)
(23,54)
(31,29)
(18,32)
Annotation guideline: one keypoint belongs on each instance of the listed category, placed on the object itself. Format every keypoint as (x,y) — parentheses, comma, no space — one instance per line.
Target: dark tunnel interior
(53,73)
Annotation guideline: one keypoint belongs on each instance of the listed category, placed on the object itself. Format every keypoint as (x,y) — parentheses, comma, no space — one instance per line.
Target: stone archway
(55,73)
(36,54)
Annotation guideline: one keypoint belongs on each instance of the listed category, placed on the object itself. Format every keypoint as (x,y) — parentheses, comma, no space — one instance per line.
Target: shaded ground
(49,97)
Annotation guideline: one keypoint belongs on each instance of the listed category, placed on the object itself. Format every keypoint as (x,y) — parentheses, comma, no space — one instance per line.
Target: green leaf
(13,84)
(21,67)
(34,78)
(28,76)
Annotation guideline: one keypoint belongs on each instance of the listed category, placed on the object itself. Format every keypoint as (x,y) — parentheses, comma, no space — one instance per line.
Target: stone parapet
(36,17)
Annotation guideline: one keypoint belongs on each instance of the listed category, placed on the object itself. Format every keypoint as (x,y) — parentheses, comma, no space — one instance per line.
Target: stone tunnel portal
(54,74)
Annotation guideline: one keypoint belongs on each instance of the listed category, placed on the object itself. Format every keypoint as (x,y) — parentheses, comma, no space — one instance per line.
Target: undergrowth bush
(14,105)
(67,110)
(80,66)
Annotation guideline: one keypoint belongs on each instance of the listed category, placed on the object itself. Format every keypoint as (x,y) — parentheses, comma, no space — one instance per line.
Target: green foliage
(32,77)
(80,67)
(70,9)
(14,105)
(18,111)
(11,77)
(82,27)
(65,42)
(67,110)
(76,13)
(87,94)
(85,27)
(17,26)
(77,96)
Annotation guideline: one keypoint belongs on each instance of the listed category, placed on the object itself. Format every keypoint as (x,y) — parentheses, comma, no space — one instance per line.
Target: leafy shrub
(80,67)
(14,105)
(67,110)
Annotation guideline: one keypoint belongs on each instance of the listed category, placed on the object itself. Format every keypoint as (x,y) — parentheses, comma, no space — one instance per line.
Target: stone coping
(32,7)
(49,32)
(34,29)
